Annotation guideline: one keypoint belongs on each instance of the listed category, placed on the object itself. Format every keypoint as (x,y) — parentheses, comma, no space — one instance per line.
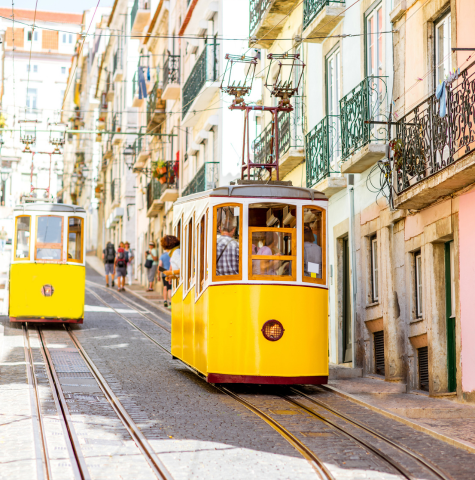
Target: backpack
(121,260)
(110,254)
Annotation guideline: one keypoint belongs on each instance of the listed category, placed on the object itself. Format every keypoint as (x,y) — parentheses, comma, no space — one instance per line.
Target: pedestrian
(130,259)
(121,267)
(175,259)
(151,264)
(167,243)
(3,238)
(108,257)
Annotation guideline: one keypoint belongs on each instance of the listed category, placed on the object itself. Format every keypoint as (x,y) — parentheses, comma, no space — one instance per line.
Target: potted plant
(162,167)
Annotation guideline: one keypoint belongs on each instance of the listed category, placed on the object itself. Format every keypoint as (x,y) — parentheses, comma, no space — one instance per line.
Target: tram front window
(49,238)
(313,244)
(228,245)
(75,239)
(23,238)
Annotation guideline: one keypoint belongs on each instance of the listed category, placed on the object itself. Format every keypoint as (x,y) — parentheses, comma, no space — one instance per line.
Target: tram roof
(48,207)
(258,191)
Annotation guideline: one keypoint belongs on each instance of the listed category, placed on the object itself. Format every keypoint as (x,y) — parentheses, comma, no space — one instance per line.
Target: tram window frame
(179,235)
(225,278)
(81,243)
(323,280)
(201,250)
(18,259)
(291,258)
(53,246)
(189,255)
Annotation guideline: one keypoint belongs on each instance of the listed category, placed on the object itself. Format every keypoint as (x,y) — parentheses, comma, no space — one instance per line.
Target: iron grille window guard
(367,101)
(204,70)
(257,9)
(206,179)
(426,143)
(171,70)
(290,136)
(322,150)
(311,8)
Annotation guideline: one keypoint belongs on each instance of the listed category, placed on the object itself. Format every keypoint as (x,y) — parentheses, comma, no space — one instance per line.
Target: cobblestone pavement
(197,431)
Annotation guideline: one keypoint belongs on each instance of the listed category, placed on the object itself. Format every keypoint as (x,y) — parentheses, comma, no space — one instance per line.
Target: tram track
(319,467)
(79,467)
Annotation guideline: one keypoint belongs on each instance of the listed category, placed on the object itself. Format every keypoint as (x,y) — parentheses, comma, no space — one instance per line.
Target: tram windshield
(313,244)
(22,250)
(272,241)
(75,239)
(49,238)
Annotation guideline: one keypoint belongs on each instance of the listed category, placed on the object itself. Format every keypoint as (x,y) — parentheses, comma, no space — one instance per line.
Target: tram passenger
(312,254)
(271,247)
(151,264)
(227,248)
(175,258)
(108,256)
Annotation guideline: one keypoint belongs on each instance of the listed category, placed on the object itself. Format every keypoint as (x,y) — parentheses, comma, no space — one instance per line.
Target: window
(189,255)
(35,36)
(49,238)
(75,240)
(227,242)
(272,242)
(418,283)
(182,249)
(29,36)
(35,68)
(28,67)
(442,49)
(31,96)
(314,245)
(64,37)
(63,70)
(22,239)
(70,38)
(333,104)
(374,42)
(374,269)
(201,230)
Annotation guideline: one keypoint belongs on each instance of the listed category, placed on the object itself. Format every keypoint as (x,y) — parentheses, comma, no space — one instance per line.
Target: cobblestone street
(193,430)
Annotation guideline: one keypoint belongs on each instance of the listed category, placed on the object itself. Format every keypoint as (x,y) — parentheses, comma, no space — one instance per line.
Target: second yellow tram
(251,303)
(48,272)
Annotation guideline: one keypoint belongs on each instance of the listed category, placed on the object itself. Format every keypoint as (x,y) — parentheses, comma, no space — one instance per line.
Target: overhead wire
(31,47)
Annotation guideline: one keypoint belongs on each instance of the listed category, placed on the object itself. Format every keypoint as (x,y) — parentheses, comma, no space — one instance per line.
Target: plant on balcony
(162,167)
(398,150)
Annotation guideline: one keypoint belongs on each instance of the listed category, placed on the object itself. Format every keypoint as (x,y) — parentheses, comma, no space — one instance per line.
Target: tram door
(346,327)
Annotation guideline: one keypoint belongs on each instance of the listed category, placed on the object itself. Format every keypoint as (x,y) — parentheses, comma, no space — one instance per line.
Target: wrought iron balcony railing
(322,150)
(428,141)
(367,101)
(206,179)
(171,70)
(311,8)
(205,70)
(153,192)
(290,136)
(116,123)
(168,175)
(257,8)
(155,102)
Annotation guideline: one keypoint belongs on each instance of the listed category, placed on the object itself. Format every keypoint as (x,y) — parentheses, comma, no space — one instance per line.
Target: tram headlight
(272,330)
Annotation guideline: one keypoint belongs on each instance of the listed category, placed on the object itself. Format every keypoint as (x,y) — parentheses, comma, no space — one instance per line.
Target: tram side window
(272,242)
(49,238)
(75,239)
(22,238)
(181,250)
(228,242)
(202,262)
(189,255)
(314,245)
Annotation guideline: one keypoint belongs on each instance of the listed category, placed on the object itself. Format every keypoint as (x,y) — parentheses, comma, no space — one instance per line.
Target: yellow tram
(48,273)
(251,302)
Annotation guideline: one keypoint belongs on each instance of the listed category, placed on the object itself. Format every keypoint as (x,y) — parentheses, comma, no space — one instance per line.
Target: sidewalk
(155,299)
(444,419)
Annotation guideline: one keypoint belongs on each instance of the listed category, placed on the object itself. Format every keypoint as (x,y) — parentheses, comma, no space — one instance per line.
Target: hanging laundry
(142,84)
(441,95)
(148,74)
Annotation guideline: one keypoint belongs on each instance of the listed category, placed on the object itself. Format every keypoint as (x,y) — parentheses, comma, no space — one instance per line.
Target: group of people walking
(119,264)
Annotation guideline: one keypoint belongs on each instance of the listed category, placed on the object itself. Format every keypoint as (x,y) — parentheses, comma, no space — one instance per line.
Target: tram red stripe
(224,378)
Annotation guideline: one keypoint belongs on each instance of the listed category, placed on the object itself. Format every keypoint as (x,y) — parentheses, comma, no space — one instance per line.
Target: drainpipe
(351,197)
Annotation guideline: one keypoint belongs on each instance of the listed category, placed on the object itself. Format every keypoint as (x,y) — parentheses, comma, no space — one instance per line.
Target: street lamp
(129,153)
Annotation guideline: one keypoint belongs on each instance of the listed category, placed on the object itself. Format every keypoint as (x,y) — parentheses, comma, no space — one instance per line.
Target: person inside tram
(227,248)
(171,244)
(312,254)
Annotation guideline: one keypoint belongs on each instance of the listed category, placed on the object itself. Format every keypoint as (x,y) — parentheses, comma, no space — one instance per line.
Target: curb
(451,441)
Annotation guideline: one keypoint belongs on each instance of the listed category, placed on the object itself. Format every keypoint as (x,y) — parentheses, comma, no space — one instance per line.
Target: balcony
(320,17)
(107,150)
(206,179)
(322,156)
(117,67)
(117,138)
(142,150)
(291,142)
(109,89)
(115,192)
(171,78)
(432,155)
(201,85)
(267,19)
(155,108)
(144,62)
(140,15)
(162,189)
(363,144)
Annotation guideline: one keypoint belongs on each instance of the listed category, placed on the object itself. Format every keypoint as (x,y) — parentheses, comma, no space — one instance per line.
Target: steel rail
(318,466)
(419,458)
(154,462)
(79,464)
(43,467)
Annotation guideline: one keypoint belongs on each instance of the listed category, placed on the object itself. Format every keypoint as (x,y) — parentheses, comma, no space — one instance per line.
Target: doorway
(346,327)
(450,316)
